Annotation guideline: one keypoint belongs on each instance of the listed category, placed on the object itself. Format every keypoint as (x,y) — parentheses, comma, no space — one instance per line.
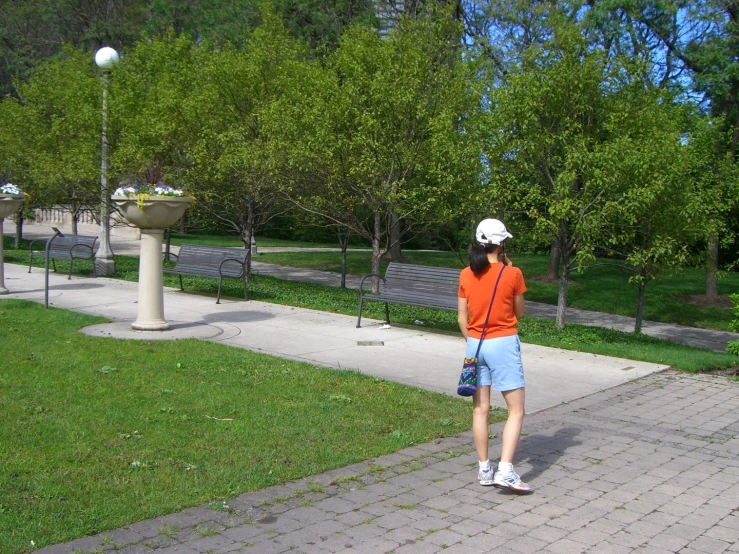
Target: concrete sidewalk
(691,336)
(416,357)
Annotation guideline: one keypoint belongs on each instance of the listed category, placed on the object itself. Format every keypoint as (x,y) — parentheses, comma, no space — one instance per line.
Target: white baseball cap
(492,231)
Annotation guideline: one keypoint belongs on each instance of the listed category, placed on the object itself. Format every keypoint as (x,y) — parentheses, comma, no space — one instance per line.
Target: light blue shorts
(499,362)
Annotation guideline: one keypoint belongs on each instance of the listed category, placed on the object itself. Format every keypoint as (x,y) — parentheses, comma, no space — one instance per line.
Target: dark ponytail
(479,257)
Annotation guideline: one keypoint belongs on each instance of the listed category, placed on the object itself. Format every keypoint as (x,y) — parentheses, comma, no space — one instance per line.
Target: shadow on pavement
(244,316)
(70,286)
(543,451)
(186,325)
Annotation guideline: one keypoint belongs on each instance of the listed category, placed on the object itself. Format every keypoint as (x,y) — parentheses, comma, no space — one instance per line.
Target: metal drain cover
(370,343)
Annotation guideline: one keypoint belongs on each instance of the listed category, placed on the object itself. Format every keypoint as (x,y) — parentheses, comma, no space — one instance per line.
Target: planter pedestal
(157,213)
(9,204)
(150,316)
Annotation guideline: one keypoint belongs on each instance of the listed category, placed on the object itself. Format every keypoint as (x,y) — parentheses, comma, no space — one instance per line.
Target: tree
(386,132)
(57,128)
(15,155)
(650,224)
(548,133)
(700,44)
(714,178)
(32,31)
(149,91)
(229,167)
(502,31)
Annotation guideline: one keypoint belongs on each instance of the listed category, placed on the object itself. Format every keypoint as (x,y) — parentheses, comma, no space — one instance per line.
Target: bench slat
(416,285)
(210,261)
(68,247)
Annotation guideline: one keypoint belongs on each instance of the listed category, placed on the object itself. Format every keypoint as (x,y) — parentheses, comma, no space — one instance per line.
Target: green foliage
(149,89)
(379,136)
(229,164)
(34,31)
(733,346)
(550,140)
(714,175)
(52,136)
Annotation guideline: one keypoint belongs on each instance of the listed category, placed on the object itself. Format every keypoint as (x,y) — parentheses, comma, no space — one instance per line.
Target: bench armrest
(361,283)
(176,256)
(43,242)
(233,260)
(75,246)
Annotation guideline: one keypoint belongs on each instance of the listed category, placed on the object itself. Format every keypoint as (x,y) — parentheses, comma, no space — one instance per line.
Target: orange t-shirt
(478,291)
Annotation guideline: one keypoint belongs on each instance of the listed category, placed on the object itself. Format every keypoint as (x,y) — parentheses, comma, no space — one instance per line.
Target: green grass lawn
(98,433)
(601,288)
(225,240)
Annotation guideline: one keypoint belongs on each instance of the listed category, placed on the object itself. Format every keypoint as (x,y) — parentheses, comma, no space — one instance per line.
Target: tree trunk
(183,224)
(712,267)
(554,255)
(247,236)
(75,219)
(376,253)
(344,242)
(19,228)
(562,299)
(395,253)
(564,252)
(640,305)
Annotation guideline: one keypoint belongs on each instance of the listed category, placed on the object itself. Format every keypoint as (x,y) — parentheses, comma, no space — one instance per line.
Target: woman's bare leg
(480,411)
(514,400)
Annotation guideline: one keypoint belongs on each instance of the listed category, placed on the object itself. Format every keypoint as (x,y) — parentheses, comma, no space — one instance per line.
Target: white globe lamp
(106,57)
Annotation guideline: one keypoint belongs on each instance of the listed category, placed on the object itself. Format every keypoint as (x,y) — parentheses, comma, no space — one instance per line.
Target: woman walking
(499,359)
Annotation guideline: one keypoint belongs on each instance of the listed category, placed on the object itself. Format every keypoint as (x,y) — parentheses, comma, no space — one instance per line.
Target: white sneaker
(512,482)
(486,477)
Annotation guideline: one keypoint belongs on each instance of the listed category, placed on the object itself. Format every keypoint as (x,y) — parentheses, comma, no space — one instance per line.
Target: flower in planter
(144,191)
(10,188)
(147,190)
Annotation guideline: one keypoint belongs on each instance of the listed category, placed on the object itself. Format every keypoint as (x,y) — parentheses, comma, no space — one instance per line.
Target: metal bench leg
(181,286)
(53,263)
(218,298)
(359,317)
(30,263)
(71,264)
(387,314)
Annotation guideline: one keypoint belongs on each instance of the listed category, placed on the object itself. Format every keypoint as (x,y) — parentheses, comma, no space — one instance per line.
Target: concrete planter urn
(9,204)
(152,214)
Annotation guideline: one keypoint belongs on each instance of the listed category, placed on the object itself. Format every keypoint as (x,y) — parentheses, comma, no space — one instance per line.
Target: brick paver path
(651,467)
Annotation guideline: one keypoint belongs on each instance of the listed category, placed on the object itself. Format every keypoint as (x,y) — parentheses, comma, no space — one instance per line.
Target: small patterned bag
(467,385)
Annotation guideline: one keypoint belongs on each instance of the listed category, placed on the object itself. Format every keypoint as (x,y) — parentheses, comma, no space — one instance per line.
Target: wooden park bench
(210,261)
(67,247)
(413,285)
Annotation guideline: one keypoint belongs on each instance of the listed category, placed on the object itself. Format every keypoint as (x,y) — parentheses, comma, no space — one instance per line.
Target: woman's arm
(519,306)
(462,316)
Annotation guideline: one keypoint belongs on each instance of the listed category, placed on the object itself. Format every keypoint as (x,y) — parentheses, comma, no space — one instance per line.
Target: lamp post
(105,58)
